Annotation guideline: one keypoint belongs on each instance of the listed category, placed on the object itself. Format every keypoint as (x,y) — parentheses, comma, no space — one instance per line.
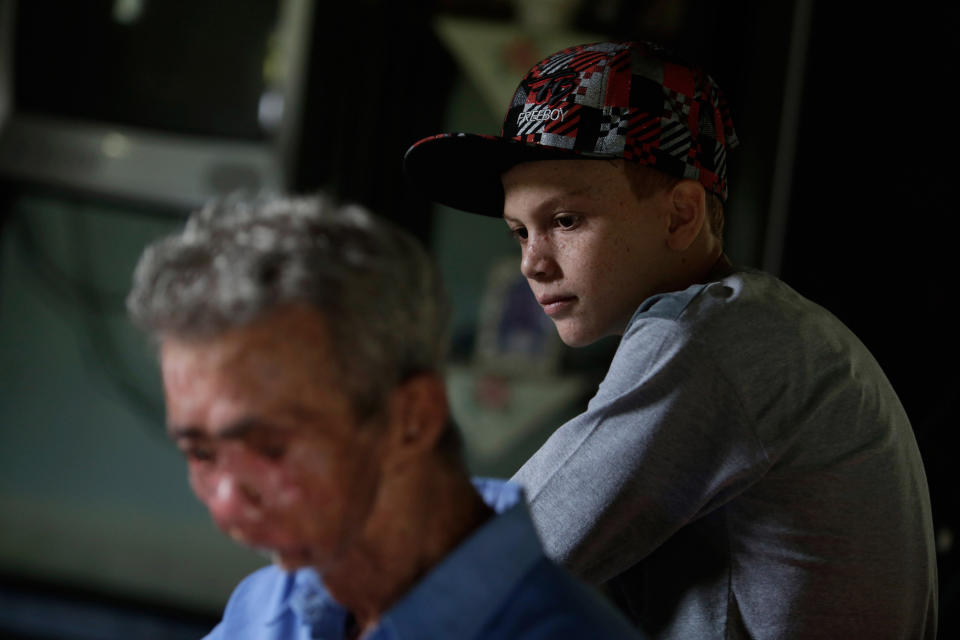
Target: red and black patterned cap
(631,100)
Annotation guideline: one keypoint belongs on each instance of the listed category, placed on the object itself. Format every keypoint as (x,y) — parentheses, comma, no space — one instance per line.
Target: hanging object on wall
(495,55)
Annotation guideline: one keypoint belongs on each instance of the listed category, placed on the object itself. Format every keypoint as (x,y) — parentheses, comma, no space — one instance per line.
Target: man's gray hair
(380,293)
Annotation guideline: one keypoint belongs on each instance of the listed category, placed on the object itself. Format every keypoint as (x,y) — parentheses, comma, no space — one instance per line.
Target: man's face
(272,445)
(591,251)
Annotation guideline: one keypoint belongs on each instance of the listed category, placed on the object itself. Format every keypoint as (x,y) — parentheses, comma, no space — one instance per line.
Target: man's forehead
(276,373)
(285,335)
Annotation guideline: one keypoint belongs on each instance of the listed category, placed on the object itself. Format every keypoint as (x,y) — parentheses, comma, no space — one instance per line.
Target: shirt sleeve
(257,608)
(216,633)
(663,442)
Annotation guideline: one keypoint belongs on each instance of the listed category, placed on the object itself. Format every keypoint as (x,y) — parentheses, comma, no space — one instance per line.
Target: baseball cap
(631,100)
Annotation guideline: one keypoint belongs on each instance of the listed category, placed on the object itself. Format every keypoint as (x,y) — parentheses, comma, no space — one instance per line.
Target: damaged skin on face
(272,444)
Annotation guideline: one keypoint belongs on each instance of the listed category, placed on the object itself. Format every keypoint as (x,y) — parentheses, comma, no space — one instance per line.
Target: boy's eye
(520,233)
(565,221)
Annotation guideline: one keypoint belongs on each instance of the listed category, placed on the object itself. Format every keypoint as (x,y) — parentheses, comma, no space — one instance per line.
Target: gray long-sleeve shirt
(745,470)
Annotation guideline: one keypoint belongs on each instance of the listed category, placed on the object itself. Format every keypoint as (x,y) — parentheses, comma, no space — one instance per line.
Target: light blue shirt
(496,584)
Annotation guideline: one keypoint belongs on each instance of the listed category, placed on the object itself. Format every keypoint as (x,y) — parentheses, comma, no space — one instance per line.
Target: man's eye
(273,452)
(198,454)
(520,233)
(566,221)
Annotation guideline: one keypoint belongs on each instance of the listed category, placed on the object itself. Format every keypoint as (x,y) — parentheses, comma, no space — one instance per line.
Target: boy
(745,468)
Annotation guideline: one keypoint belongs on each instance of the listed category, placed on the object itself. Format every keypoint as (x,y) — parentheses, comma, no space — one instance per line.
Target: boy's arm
(663,442)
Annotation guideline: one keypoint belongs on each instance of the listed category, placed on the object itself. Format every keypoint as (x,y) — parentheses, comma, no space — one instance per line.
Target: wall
(91,492)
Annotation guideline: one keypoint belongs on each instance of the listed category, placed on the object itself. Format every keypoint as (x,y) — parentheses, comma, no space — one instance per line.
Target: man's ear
(418,413)
(688,202)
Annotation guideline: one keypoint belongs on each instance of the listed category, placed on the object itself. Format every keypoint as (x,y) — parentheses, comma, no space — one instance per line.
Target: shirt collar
(456,597)
(301,593)
(459,595)
(313,606)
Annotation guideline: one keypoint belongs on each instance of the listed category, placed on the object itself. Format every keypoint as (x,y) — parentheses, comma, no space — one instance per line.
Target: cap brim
(462,170)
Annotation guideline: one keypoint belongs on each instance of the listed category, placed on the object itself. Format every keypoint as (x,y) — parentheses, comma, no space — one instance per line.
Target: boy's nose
(537,262)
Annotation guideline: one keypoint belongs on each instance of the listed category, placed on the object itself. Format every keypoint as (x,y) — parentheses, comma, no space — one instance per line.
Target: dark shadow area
(872,225)
(34,610)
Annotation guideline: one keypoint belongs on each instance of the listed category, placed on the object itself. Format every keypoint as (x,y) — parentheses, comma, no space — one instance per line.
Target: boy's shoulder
(737,323)
(744,297)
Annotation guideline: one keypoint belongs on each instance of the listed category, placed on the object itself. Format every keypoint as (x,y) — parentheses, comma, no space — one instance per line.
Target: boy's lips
(556,304)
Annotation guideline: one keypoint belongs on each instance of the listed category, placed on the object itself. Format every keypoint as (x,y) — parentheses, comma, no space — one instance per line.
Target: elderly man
(300,347)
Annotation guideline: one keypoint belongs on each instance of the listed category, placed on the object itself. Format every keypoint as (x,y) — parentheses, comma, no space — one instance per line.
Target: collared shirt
(496,584)
(745,470)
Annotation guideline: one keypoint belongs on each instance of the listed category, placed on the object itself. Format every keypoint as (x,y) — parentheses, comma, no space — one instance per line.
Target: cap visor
(462,170)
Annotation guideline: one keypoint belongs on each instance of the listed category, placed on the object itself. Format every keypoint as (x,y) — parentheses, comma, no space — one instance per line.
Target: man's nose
(232,499)
(538,262)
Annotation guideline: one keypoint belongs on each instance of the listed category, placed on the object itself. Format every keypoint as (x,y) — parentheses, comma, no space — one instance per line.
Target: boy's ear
(688,212)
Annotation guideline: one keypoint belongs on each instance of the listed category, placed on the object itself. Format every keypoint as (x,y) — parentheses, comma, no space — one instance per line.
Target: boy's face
(591,251)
